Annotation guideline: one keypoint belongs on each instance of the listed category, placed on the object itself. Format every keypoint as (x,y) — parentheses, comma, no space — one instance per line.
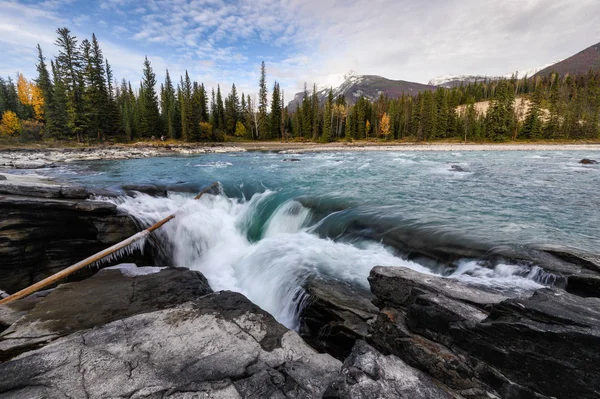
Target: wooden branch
(96,257)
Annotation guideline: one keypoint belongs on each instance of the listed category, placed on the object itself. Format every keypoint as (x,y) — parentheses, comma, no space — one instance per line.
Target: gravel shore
(27,158)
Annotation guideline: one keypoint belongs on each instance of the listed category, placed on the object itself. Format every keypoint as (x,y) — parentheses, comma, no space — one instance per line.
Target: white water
(210,235)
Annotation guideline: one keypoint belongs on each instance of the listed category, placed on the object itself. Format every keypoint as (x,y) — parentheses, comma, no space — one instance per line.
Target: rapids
(336,215)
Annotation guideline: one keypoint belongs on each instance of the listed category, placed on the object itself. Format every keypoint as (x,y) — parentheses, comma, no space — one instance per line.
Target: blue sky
(304,40)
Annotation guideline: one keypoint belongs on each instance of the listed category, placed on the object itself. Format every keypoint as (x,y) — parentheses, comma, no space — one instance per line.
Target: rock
(31,164)
(586,161)
(367,374)
(107,296)
(2,177)
(220,345)
(40,236)
(457,168)
(482,344)
(335,315)
(291,160)
(584,285)
(149,189)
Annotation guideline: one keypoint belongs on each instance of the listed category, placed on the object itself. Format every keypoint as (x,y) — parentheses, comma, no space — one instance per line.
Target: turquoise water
(278,223)
(508,197)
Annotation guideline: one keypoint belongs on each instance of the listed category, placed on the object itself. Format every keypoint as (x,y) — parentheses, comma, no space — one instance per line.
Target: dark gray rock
(368,374)
(217,346)
(586,161)
(2,177)
(480,343)
(40,235)
(149,189)
(584,285)
(291,159)
(457,168)
(107,296)
(335,315)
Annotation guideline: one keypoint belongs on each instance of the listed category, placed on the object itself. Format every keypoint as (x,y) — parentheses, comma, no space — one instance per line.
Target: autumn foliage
(10,124)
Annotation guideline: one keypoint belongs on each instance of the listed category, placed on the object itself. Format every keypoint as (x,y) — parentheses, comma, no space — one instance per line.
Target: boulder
(219,345)
(110,295)
(335,315)
(291,159)
(367,374)
(2,177)
(586,161)
(483,344)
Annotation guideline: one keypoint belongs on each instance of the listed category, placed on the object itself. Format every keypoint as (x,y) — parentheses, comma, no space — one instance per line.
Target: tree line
(76,97)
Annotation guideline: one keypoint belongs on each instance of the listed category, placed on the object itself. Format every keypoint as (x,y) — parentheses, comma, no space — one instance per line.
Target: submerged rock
(586,161)
(291,159)
(219,345)
(149,189)
(457,168)
(482,344)
(368,374)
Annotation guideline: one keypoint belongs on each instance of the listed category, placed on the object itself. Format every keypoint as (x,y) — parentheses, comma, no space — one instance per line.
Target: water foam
(211,235)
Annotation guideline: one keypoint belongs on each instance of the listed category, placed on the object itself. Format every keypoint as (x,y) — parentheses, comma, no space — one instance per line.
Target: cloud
(309,41)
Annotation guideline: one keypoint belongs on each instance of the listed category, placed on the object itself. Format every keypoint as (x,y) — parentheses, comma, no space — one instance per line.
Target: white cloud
(311,40)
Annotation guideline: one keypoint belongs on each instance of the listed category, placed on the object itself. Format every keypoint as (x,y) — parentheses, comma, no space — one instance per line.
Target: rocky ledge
(132,332)
(42,158)
(46,226)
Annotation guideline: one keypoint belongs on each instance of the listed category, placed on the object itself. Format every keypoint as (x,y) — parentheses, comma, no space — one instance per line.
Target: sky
(313,41)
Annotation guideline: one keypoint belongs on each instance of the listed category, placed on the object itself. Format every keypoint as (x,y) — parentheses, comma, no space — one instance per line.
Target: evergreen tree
(533,126)
(220,121)
(167,105)
(185,105)
(263,122)
(45,85)
(59,127)
(150,122)
(276,113)
(69,66)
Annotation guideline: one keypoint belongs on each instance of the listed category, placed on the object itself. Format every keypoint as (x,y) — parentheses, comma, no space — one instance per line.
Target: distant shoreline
(35,157)
(362,146)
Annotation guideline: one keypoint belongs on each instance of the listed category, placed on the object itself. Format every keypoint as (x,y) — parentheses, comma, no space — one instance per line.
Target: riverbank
(291,147)
(42,157)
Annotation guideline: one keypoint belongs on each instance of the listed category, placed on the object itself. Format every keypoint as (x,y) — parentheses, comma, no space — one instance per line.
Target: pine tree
(276,113)
(185,104)
(220,121)
(533,126)
(69,65)
(45,85)
(263,121)
(328,117)
(59,127)
(167,105)
(150,122)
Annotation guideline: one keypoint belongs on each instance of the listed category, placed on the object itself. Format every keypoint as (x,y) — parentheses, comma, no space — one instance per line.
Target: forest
(76,98)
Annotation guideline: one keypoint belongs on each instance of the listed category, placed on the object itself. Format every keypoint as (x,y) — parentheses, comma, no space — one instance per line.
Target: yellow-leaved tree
(384,125)
(10,124)
(367,128)
(23,90)
(37,101)
(240,129)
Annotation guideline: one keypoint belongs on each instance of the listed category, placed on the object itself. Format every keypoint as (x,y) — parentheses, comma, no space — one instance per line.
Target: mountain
(368,86)
(449,81)
(578,64)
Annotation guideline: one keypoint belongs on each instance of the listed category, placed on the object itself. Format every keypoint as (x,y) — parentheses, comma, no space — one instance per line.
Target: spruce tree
(69,65)
(276,113)
(220,122)
(263,121)
(168,107)
(150,123)
(45,85)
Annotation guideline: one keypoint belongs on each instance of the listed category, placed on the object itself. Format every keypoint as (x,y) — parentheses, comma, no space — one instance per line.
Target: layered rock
(46,226)
(183,344)
(335,315)
(483,344)
(367,374)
